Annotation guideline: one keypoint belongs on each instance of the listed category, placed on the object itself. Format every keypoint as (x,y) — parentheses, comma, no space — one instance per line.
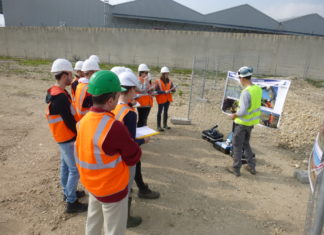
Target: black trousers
(143,113)
(138,176)
(163,107)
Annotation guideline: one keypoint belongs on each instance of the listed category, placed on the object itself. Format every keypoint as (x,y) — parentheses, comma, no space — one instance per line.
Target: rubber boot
(132,221)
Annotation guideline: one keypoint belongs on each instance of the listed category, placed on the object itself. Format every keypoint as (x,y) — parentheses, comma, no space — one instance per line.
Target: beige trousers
(110,216)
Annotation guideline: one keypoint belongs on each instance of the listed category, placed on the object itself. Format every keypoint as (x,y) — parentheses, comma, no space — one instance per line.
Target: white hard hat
(61,65)
(245,71)
(95,58)
(90,65)
(118,69)
(143,68)
(78,65)
(128,78)
(165,70)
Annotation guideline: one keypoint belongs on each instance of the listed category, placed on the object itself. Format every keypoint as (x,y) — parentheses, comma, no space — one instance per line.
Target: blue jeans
(69,171)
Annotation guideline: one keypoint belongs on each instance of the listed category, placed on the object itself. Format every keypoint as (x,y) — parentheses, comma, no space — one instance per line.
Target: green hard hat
(103,82)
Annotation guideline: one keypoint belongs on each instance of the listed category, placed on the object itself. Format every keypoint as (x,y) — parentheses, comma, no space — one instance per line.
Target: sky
(277,9)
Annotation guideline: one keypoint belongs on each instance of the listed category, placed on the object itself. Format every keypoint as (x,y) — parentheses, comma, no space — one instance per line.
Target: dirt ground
(197,195)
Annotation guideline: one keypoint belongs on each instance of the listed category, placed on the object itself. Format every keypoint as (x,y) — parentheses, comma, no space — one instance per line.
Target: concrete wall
(268,54)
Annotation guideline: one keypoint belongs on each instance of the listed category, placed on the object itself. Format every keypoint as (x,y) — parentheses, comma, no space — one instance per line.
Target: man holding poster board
(245,118)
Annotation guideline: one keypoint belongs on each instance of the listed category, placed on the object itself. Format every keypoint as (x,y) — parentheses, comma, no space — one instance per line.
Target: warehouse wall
(268,54)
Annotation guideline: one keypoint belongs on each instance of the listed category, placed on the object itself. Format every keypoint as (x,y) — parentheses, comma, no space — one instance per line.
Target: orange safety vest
(163,98)
(72,91)
(121,111)
(145,100)
(60,131)
(80,95)
(101,174)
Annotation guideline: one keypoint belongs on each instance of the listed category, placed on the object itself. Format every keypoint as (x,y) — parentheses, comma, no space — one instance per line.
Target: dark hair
(127,88)
(59,75)
(102,99)
(164,79)
(248,77)
(141,72)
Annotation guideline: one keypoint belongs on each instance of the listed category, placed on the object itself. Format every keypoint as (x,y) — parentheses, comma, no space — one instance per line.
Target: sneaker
(75,207)
(234,171)
(167,127)
(78,193)
(250,169)
(147,193)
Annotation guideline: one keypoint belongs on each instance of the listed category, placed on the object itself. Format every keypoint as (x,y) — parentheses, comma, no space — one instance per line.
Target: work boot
(234,171)
(250,169)
(132,221)
(75,207)
(79,194)
(147,193)
(160,128)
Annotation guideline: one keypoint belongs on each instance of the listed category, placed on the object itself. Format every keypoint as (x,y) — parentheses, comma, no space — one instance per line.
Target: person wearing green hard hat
(104,151)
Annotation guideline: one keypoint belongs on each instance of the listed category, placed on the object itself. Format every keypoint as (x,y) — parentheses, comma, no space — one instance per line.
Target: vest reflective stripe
(80,95)
(97,152)
(121,111)
(100,173)
(163,98)
(253,115)
(60,131)
(54,120)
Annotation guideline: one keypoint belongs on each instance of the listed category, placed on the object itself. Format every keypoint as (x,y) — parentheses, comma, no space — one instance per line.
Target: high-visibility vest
(145,100)
(80,95)
(101,174)
(121,111)
(73,91)
(60,131)
(253,113)
(163,98)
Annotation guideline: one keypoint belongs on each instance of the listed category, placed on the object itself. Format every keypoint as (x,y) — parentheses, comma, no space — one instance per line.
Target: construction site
(197,195)
(206,63)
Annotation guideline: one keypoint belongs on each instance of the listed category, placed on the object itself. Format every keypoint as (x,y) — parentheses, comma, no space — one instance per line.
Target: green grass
(34,62)
(315,83)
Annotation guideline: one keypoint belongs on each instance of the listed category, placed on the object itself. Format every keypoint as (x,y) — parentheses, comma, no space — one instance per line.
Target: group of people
(95,128)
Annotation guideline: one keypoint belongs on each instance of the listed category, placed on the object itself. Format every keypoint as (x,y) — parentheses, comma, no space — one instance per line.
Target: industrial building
(153,14)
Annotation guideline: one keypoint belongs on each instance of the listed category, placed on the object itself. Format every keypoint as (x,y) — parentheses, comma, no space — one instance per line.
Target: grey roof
(310,24)
(156,9)
(242,16)
(79,13)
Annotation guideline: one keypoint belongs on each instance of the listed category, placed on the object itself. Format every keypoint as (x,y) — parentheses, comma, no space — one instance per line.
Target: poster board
(274,93)
(316,161)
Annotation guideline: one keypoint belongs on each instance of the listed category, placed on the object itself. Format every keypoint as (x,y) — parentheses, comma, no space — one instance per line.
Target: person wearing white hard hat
(62,119)
(95,58)
(77,75)
(245,118)
(83,100)
(164,88)
(127,115)
(118,69)
(144,97)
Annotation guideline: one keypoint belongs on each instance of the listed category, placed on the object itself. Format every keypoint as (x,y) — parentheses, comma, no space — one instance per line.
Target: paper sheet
(145,131)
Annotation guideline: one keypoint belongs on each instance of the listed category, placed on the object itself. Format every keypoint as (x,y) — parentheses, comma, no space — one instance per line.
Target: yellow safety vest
(253,113)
